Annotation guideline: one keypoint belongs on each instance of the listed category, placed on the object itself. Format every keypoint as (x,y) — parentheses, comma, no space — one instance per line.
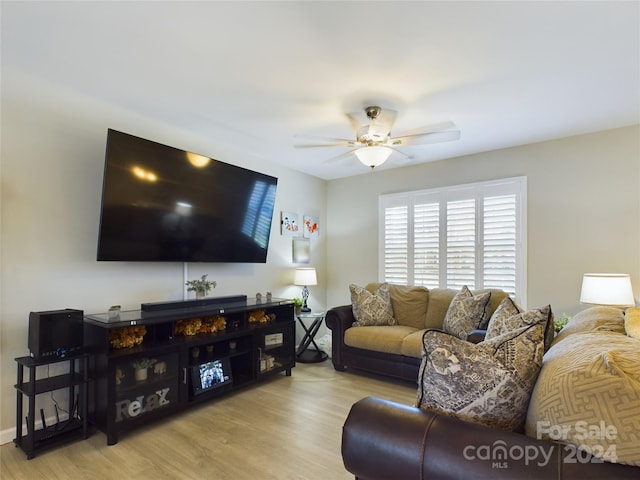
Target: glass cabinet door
(145,385)
(276,349)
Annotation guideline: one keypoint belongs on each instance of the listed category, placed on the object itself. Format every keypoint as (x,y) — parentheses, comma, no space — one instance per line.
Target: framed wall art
(289,224)
(301,250)
(310,226)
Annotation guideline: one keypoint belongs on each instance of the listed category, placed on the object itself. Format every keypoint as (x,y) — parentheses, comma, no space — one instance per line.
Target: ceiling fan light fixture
(373,156)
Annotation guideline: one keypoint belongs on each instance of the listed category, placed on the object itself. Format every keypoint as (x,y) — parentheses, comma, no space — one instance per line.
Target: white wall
(52,153)
(583,212)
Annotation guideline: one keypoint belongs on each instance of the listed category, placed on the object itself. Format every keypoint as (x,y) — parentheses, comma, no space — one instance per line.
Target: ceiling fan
(374,143)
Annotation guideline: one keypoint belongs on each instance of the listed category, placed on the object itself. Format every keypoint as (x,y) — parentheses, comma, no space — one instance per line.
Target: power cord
(58,408)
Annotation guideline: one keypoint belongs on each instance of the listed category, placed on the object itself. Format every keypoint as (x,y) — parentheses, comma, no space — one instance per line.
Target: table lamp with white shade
(612,289)
(305,277)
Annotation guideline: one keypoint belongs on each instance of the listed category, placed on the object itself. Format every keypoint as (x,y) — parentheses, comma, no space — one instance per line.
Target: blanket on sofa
(588,391)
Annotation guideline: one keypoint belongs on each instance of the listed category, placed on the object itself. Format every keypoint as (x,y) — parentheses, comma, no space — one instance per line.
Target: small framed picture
(310,226)
(289,224)
(301,250)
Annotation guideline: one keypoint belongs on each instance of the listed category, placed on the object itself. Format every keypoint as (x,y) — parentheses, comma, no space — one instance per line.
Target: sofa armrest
(338,320)
(476,336)
(383,439)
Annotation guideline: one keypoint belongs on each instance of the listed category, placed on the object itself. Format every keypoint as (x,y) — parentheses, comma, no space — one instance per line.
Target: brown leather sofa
(383,440)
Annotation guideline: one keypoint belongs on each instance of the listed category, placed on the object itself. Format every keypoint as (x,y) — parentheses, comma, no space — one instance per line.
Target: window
(453,236)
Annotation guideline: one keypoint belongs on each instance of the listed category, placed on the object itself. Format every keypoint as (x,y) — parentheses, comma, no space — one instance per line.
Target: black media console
(149,363)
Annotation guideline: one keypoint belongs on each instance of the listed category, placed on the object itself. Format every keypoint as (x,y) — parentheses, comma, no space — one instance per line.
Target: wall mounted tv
(163,204)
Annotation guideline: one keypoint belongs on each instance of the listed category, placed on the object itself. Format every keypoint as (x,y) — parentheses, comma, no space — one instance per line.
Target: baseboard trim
(7,435)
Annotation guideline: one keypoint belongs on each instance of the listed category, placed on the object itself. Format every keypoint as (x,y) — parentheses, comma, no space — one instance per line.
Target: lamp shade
(607,289)
(305,277)
(373,156)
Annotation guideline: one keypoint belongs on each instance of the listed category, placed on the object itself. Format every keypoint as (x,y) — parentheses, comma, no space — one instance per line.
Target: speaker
(56,334)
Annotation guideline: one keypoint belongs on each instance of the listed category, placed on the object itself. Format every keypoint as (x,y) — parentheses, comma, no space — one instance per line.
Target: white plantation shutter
(426,244)
(396,244)
(462,235)
(461,243)
(500,242)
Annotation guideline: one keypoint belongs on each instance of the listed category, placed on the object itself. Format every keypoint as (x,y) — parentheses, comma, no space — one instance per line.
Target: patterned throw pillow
(500,320)
(466,312)
(488,383)
(509,316)
(371,308)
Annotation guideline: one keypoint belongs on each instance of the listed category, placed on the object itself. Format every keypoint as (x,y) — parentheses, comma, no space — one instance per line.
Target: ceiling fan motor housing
(374,133)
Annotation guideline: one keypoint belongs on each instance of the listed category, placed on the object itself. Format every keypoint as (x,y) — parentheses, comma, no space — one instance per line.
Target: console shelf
(184,365)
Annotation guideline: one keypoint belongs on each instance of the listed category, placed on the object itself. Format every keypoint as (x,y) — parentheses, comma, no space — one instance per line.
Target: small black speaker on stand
(56,334)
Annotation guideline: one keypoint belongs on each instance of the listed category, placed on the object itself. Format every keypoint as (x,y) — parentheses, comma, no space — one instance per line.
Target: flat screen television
(163,204)
(210,375)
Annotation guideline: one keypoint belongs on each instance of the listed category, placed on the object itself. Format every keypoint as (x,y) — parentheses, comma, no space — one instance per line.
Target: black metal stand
(75,384)
(304,354)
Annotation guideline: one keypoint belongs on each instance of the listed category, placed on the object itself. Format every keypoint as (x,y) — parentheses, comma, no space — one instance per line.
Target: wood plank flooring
(286,428)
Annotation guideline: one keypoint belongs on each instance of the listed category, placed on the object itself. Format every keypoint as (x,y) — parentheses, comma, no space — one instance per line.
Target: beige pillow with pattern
(371,308)
(488,383)
(466,312)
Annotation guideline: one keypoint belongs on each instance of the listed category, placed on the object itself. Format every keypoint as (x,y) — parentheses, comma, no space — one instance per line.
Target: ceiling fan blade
(324,139)
(434,127)
(357,119)
(404,155)
(340,157)
(425,138)
(386,118)
(345,144)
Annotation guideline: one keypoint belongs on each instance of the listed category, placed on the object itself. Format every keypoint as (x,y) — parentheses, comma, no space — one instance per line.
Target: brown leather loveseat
(383,440)
(586,400)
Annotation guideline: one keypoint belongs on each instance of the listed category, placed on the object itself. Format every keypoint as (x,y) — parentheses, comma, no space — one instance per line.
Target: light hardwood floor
(286,428)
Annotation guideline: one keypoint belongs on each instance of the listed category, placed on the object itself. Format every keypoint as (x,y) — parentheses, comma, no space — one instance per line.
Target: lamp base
(305,310)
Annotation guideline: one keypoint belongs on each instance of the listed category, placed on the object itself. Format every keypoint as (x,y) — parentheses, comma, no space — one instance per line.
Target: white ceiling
(252,75)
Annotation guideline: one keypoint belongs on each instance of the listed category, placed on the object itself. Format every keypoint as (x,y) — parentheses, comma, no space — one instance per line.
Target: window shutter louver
(461,243)
(426,245)
(500,243)
(396,244)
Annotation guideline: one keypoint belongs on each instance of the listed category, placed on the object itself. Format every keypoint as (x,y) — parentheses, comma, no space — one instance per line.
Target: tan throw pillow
(439,301)
(593,319)
(488,383)
(632,322)
(409,303)
(466,312)
(371,308)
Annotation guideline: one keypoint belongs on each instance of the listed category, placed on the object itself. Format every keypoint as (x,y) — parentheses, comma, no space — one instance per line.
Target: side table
(304,354)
